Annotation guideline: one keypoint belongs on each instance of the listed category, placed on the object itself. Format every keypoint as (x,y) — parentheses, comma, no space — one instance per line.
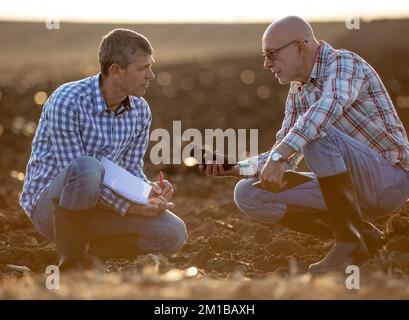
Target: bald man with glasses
(340,118)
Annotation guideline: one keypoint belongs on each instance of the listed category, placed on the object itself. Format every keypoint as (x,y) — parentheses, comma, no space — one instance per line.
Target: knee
(243,196)
(327,156)
(171,237)
(315,151)
(254,206)
(89,166)
(311,153)
(87,170)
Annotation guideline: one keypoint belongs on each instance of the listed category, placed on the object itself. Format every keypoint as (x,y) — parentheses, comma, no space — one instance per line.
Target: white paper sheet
(125,183)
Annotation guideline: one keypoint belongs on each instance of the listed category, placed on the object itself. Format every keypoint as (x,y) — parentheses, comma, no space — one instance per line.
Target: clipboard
(293,178)
(124,183)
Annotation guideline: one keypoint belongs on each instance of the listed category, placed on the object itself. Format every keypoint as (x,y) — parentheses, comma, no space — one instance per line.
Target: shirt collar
(318,70)
(99,101)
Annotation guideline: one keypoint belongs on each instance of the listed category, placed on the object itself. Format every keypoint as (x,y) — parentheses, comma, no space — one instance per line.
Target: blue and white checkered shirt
(76,122)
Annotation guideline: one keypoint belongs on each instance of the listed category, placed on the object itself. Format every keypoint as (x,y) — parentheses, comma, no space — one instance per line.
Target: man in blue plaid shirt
(83,121)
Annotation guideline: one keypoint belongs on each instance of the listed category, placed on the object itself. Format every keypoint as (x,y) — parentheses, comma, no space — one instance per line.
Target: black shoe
(316,222)
(345,215)
(70,232)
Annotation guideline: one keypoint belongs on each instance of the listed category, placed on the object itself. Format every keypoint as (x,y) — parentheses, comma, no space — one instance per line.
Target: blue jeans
(381,187)
(78,187)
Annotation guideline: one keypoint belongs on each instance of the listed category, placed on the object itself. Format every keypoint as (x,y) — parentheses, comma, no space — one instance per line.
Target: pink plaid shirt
(344,91)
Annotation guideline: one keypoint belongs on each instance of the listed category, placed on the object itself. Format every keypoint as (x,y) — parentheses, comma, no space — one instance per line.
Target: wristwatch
(277,157)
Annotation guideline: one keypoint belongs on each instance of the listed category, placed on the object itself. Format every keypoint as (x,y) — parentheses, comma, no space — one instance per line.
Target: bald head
(288,29)
(290,49)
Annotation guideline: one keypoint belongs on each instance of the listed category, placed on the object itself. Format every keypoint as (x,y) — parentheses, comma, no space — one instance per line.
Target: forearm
(253,166)
(286,150)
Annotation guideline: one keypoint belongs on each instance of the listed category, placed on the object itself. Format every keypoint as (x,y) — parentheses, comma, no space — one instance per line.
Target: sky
(176,11)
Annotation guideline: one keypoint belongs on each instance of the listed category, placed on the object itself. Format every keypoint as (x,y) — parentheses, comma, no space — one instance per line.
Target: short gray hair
(119,46)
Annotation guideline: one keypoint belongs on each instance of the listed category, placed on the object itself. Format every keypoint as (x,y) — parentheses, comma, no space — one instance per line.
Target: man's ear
(115,71)
(301,46)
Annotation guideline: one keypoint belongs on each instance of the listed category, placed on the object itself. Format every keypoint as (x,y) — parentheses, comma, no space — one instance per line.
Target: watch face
(276,156)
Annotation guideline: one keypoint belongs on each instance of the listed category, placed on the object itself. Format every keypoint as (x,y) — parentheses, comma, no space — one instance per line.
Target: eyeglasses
(272,53)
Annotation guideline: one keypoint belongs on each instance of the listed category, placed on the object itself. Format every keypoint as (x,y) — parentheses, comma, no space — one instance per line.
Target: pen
(161,180)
